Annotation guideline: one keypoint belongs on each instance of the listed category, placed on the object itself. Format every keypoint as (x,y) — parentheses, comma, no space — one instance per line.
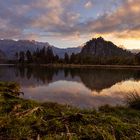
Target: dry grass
(133,100)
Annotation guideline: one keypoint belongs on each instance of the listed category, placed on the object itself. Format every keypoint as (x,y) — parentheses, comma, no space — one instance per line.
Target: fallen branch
(12,91)
(68,132)
(27,112)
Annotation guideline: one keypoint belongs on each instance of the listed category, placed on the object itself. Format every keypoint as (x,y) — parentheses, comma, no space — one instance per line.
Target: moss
(26,119)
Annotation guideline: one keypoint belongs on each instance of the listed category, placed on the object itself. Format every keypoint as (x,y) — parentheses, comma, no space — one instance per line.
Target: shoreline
(78,66)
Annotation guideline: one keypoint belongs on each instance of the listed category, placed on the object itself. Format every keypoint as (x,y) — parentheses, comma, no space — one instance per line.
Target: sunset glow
(70,23)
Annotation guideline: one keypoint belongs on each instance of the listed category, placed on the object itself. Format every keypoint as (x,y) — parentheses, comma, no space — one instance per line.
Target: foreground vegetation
(26,119)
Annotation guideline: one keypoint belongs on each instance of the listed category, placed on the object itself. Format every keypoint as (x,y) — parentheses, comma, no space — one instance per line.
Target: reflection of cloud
(120,89)
(76,94)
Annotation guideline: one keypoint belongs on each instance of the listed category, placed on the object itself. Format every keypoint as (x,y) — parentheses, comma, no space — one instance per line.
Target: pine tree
(137,58)
(50,55)
(29,57)
(66,58)
(72,58)
(56,58)
(21,57)
(16,55)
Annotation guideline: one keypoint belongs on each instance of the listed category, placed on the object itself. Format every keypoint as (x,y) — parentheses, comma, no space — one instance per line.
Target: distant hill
(135,51)
(102,48)
(10,47)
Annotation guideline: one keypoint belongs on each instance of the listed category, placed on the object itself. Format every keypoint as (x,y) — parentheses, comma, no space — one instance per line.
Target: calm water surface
(81,87)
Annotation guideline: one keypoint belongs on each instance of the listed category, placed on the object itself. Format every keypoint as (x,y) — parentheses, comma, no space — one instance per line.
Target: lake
(80,87)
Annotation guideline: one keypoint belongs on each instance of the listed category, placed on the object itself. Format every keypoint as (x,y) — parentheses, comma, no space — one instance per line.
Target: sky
(70,23)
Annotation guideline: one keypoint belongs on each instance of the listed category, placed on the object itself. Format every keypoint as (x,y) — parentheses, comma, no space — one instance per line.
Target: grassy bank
(26,119)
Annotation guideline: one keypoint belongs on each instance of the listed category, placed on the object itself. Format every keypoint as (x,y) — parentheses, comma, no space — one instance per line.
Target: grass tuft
(133,100)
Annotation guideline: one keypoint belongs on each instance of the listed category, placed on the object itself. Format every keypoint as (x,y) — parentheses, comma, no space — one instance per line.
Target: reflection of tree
(94,79)
(43,74)
(137,75)
(66,72)
(29,72)
(22,72)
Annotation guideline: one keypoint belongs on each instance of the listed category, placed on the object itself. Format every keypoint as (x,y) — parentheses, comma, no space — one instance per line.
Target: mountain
(10,47)
(61,52)
(94,47)
(102,48)
(135,51)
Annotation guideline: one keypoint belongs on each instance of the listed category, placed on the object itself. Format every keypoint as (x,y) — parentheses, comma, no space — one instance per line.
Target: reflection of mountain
(94,79)
(98,79)
(104,78)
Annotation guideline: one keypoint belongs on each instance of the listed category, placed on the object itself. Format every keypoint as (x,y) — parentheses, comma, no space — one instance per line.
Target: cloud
(88,5)
(67,18)
(67,23)
(121,22)
(130,34)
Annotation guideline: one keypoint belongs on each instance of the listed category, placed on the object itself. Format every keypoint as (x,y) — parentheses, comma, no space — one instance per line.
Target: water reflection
(75,86)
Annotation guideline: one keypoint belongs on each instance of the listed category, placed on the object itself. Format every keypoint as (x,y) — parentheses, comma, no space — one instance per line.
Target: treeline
(96,60)
(40,56)
(46,56)
(111,60)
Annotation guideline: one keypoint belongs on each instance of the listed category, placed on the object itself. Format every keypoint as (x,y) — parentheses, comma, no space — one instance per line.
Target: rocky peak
(100,47)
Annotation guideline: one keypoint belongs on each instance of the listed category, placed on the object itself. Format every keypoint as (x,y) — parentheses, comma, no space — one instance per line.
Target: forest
(46,56)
